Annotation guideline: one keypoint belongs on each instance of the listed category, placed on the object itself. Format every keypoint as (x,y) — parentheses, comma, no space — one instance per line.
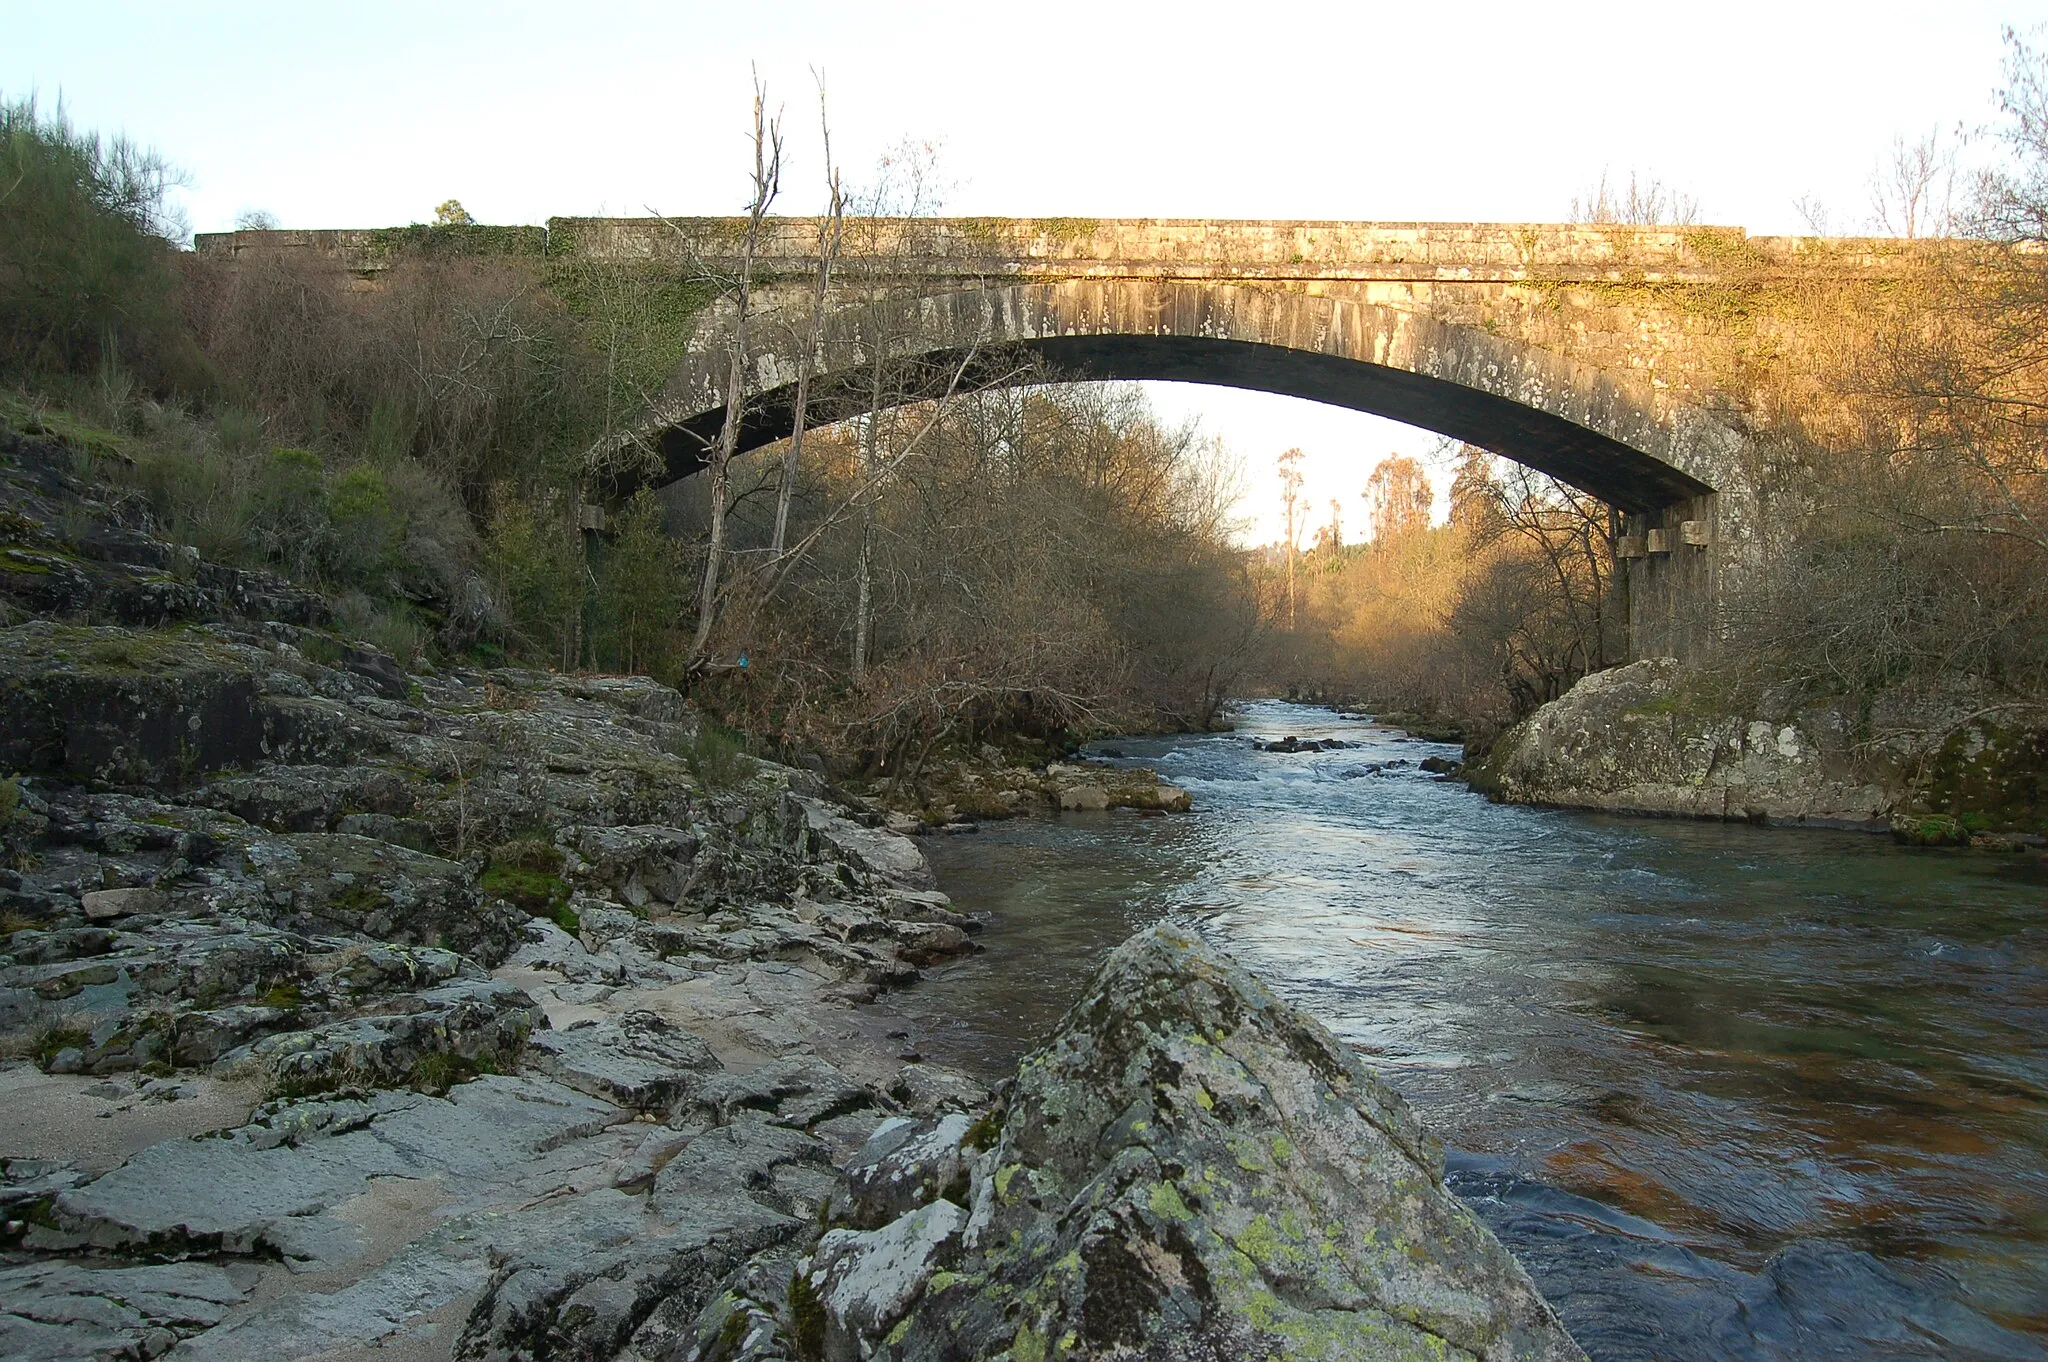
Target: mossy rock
(1929,830)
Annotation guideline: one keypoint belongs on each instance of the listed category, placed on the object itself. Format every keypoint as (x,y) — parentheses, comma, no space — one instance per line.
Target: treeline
(1033,561)
(1474,622)
(1051,560)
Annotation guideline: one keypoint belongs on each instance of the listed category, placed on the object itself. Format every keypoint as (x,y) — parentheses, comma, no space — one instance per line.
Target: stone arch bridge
(1587,352)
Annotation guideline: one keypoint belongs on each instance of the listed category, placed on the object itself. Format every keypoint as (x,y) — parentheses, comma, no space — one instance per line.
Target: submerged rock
(1193,1168)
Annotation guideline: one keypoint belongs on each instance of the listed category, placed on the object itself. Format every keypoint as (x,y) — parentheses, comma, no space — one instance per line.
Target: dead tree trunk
(767,182)
(830,231)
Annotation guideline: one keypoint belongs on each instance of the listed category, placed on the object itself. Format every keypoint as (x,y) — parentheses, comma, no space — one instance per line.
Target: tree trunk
(829,233)
(864,565)
(767,180)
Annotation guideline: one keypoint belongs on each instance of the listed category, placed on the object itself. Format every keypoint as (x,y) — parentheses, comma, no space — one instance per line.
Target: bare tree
(894,211)
(1289,464)
(1912,191)
(767,180)
(831,231)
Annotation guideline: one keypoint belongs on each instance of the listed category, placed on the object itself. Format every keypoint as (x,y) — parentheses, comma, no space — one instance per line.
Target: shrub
(391,626)
(716,755)
(86,269)
(533,557)
(288,511)
(366,530)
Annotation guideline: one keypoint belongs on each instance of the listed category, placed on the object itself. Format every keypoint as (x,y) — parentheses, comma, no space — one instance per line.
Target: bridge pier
(1668,563)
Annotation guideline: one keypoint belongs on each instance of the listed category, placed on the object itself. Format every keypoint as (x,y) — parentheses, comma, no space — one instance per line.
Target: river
(1727,1092)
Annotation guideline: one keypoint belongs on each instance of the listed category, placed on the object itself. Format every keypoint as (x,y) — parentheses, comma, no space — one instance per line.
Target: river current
(1727,1092)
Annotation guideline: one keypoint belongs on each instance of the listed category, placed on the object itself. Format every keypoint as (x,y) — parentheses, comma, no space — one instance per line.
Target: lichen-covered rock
(639,864)
(324,881)
(1192,1168)
(866,1280)
(893,859)
(906,1164)
(427,1039)
(60,1312)
(1636,739)
(797,1091)
(155,709)
(986,786)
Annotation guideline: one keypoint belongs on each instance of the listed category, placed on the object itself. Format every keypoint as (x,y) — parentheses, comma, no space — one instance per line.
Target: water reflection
(1729,1092)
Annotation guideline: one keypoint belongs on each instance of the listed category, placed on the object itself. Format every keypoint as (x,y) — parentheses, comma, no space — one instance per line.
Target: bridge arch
(1597,431)
(1609,435)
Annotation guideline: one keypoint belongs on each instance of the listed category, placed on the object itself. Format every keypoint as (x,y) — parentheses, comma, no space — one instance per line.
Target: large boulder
(1647,738)
(1193,1168)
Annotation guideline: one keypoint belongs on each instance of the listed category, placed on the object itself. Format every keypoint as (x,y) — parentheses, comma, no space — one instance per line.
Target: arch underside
(1619,474)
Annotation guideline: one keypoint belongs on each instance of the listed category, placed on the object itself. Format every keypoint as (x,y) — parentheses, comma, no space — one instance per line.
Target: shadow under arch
(1618,474)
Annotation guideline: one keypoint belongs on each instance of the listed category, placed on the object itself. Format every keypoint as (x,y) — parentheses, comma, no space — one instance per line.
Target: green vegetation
(436,1071)
(527,873)
(641,582)
(50,1041)
(983,1134)
(355,443)
(806,1319)
(458,239)
(717,756)
(87,275)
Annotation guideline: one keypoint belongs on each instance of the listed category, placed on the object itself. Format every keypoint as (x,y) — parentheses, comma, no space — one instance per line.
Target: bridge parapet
(1157,248)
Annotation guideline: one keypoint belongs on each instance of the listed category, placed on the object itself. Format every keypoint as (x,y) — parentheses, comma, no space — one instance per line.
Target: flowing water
(1727,1092)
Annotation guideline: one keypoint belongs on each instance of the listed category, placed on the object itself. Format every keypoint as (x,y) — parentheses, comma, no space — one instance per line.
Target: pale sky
(370,113)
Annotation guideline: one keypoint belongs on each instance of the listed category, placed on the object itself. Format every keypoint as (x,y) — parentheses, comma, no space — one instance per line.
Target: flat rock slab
(642,1060)
(60,1312)
(269,1187)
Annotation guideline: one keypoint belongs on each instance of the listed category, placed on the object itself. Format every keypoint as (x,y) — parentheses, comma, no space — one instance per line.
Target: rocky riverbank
(352,1011)
(447,969)
(1656,738)
(955,793)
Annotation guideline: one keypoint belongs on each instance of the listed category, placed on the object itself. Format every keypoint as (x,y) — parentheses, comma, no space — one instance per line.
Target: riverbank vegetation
(1464,626)
(1031,563)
